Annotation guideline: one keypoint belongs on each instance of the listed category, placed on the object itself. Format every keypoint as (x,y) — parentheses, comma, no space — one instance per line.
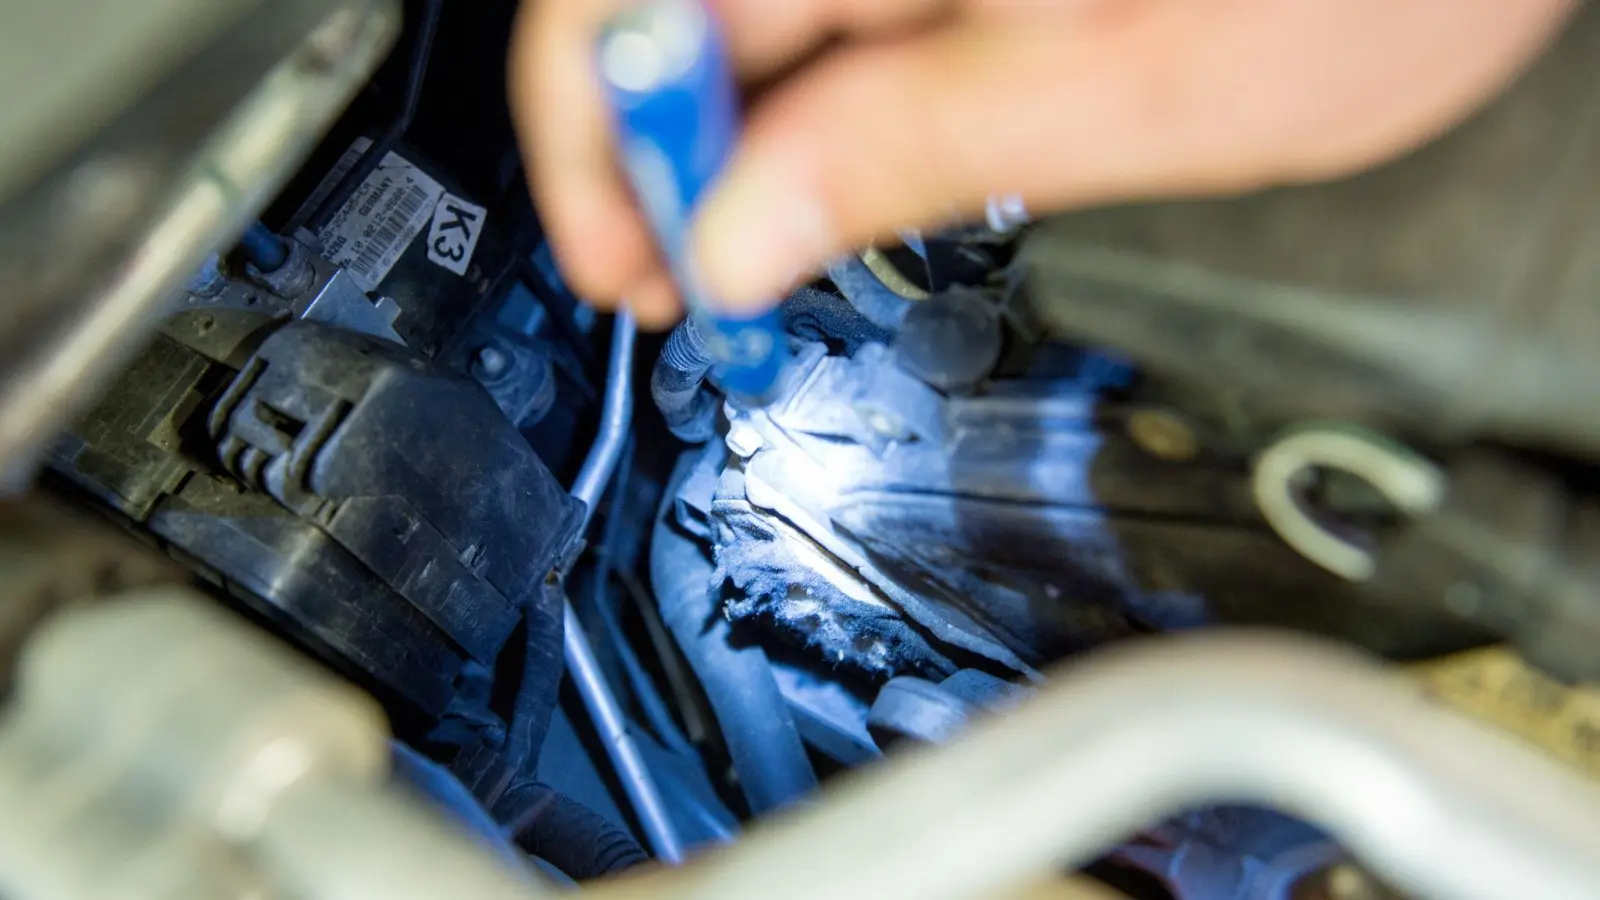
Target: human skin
(879,115)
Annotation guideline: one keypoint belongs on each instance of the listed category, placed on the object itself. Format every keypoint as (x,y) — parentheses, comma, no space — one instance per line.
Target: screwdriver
(672,96)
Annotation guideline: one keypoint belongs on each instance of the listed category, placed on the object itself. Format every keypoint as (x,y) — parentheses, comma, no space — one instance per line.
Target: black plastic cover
(379,507)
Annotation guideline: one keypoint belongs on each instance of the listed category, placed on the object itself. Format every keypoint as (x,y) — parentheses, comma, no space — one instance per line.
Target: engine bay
(1307,492)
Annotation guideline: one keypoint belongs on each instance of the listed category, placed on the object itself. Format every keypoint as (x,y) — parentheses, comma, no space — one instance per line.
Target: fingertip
(653,300)
(595,231)
(797,194)
(602,248)
(759,233)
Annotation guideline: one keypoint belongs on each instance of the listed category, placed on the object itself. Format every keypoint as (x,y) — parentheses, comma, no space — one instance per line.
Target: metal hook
(1406,479)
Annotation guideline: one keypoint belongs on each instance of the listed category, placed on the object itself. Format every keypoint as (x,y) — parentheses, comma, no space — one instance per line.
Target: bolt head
(1164,435)
(491,361)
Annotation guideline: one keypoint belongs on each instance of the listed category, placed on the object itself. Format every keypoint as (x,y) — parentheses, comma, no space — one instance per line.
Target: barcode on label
(368,265)
(383,216)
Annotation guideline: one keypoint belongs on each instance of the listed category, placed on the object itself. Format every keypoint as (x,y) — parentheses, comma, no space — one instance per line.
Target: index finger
(589,216)
(594,227)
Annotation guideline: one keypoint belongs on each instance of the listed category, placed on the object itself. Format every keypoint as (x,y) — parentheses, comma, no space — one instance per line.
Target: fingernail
(755,238)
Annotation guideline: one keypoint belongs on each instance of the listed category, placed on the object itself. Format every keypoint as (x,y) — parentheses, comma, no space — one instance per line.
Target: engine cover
(901,530)
(379,509)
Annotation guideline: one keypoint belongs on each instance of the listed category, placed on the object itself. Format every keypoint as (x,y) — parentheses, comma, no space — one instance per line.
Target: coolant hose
(570,836)
(539,685)
(763,742)
(440,787)
(861,284)
(263,249)
(677,384)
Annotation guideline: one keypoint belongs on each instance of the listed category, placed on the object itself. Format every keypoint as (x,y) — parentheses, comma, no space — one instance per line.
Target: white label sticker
(385,214)
(454,235)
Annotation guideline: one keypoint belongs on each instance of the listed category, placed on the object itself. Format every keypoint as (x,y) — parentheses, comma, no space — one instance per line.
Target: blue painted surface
(676,134)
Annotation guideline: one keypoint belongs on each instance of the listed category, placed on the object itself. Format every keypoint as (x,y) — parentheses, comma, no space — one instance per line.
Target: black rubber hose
(536,691)
(416,74)
(677,385)
(570,836)
(440,787)
(763,742)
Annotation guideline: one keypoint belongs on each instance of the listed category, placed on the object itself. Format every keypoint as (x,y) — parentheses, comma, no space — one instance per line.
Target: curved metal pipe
(616,417)
(1441,806)
(612,725)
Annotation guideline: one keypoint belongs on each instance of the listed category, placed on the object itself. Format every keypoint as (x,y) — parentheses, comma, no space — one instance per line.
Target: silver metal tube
(1441,806)
(616,417)
(612,727)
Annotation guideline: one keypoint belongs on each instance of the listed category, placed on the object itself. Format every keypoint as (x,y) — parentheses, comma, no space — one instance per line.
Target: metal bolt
(743,439)
(491,361)
(1163,434)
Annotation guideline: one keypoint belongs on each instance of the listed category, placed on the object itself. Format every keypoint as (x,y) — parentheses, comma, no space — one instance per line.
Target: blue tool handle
(665,70)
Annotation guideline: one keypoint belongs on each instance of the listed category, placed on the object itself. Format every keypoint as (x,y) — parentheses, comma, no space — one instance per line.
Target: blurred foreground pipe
(1437,805)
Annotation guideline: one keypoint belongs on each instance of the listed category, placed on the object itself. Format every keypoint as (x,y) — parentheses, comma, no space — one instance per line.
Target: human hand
(922,108)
